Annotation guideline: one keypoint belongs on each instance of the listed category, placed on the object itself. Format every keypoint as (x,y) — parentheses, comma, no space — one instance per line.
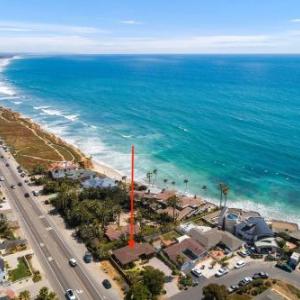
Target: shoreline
(108,171)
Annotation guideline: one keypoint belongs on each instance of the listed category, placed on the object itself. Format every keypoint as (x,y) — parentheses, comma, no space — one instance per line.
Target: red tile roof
(188,244)
(127,255)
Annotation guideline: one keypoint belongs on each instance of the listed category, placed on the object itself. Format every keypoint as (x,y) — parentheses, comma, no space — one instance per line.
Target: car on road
(259,275)
(7,164)
(26,195)
(2,178)
(88,257)
(196,271)
(233,288)
(284,266)
(20,184)
(221,272)
(106,283)
(35,193)
(245,281)
(240,264)
(70,295)
(12,186)
(72,262)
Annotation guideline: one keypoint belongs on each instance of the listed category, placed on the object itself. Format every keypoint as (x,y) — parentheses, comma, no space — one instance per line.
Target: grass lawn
(22,271)
(32,145)
(171,235)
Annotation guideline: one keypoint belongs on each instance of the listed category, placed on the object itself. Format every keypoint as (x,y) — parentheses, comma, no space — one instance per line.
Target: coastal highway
(234,276)
(51,250)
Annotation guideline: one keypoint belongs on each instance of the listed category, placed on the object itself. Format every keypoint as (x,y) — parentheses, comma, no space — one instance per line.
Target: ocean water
(208,119)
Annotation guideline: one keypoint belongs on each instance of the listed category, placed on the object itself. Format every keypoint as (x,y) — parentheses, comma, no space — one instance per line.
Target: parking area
(208,267)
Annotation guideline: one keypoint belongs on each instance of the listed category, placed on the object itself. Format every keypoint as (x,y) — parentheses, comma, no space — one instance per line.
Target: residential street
(51,249)
(234,276)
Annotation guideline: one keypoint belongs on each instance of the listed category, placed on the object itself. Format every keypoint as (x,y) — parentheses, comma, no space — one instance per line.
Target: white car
(240,264)
(1,178)
(72,262)
(70,295)
(221,272)
(197,272)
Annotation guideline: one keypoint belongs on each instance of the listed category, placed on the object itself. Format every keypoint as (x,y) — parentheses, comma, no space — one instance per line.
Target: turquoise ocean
(208,119)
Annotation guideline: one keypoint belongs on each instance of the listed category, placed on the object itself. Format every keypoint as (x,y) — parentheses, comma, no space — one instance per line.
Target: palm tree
(117,210)
(225,193)
(155,174)
(165,182)
(221,193)
(124,178)
(148,175)
(173,202)
(186,181)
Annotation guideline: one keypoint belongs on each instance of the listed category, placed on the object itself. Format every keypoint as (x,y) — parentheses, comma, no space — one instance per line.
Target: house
(99,182)
(114,232)
(294,260)
(267,246)
(253,229)
(186,253)
(2,271)
(8,245)
(126,255)
(214,237)
(72,173)
(178,214)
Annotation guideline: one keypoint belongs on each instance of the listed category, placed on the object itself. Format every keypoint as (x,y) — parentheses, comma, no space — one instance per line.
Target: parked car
(72,262)
(70,295)
(221,272)
(7,164)
(259,275)
(233,288)
(284,266)
(20,184)
(12,186)
(26,195)
(23,175)
(240,264)
(2,178)
(245,281)
(88,257)
(242,253)
(106,283)
(197,272)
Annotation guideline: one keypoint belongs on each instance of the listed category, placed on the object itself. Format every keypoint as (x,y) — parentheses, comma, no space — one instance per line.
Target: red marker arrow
(131,236)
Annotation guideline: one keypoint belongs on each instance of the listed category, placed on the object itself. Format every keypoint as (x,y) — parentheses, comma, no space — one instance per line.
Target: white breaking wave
(72,117)
(5,88)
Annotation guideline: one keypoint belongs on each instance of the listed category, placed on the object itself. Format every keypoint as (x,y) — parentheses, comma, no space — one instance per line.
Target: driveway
(170,287)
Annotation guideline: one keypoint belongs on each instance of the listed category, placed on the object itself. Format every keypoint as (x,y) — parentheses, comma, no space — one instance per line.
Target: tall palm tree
(155,174)
(221,193)
(186,181)
(148,175)
(24,295)
(165,182)
(225,193)
(173,202)
(124,178)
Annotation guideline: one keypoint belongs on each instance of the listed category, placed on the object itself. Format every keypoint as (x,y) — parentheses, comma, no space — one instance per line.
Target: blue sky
(150,26)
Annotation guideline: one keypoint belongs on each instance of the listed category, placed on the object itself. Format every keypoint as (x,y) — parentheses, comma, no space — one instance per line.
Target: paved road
(234,276)
(52,251)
